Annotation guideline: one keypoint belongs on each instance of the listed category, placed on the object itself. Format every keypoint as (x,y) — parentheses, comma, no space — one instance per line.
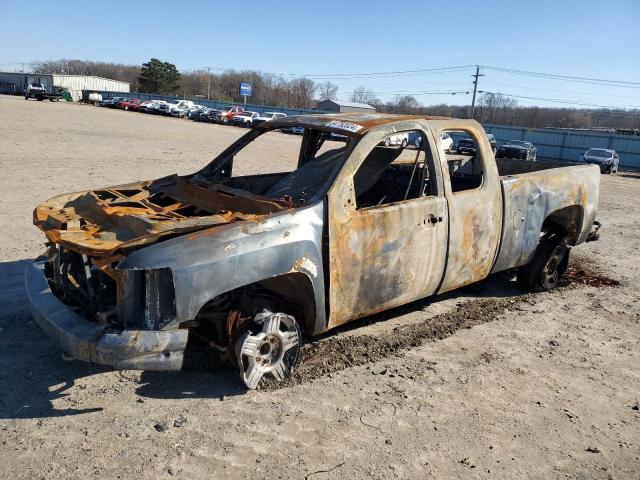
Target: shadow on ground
(35,379)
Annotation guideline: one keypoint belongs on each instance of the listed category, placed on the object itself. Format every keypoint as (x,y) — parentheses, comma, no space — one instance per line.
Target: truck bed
(513,166)
(532,192)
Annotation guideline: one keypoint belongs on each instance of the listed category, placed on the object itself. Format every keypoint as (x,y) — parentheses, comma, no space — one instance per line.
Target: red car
(227,113)
(130,104)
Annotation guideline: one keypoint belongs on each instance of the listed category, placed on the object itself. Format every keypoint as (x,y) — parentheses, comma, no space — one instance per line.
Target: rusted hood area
(102,222)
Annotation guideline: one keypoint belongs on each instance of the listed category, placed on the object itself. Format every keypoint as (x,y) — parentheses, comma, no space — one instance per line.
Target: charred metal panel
(210,262)
(382,257)
(92,342)
(475,216)
(529,198)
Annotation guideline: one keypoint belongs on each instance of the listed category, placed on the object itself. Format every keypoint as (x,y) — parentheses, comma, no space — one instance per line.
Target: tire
(267,345)
(544,271)
(403,144)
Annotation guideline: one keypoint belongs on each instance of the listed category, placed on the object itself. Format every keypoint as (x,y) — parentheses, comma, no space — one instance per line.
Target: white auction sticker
(352,127)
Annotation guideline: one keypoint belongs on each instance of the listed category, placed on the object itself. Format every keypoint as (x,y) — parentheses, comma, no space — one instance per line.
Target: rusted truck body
(252,263)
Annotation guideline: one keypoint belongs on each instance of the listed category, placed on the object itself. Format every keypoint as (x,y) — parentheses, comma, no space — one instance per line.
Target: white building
(16,83)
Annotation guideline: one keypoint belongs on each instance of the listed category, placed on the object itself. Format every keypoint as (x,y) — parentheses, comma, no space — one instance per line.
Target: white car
(447,141)
(245,119)
(177,107)
(401,139)
(266,116)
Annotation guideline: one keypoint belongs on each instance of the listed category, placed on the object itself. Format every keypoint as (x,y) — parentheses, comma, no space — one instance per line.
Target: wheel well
(566,222)
(291,293)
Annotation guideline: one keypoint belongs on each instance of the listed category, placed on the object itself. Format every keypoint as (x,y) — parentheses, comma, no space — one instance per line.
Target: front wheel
(269,344)
(548,265)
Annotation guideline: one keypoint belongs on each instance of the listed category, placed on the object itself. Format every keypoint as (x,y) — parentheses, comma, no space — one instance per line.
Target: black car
(467,145)
(605,158)
(517,149)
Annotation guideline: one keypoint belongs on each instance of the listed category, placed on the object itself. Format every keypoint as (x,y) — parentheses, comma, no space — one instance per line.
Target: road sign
(245,89)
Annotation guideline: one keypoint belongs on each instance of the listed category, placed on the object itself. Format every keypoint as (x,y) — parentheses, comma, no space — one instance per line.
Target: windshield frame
(214,171)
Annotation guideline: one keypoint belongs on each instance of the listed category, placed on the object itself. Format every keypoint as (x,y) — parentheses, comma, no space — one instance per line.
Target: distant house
(339,106)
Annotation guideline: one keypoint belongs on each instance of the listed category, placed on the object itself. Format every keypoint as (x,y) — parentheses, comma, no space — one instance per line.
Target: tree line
(157,76)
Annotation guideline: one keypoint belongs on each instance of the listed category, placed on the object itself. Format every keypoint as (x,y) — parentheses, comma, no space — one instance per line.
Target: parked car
(447,141)
(210,115)
(492,142)
(148,106)
(135,106)
(155,107)
(517,149)
(111,102)
(266,116)
(130,104)
(226,114)
(195,112)
(466,146)
(245,119)
(398,139)
(121,103)
(608,160)
(293,254)
(296,130)
(176,107)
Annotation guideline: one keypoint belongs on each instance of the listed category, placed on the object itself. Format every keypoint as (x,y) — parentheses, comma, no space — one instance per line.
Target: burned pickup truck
(263,247)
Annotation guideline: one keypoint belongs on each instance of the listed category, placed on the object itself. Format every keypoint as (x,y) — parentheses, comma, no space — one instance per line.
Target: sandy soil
(484,382)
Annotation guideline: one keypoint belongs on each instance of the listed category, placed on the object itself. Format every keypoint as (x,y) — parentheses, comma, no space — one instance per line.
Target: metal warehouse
(16,83)
(345,107)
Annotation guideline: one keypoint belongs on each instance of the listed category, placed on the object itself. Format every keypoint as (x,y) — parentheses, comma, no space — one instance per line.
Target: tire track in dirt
(335,353)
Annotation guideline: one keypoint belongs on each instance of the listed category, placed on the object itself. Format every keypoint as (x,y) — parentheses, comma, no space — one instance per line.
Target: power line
(568,78)
(557,100)
(562,91)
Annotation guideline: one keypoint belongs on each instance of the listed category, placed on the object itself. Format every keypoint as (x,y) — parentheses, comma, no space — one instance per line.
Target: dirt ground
(483,382)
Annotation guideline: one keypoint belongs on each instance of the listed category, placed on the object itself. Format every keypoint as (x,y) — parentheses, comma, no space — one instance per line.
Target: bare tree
(327,91)
(363,95)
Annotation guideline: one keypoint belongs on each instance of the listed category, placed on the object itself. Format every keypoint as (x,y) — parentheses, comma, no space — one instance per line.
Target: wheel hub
(274,349)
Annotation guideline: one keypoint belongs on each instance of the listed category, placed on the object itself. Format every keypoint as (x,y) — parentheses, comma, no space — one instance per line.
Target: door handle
(433,219)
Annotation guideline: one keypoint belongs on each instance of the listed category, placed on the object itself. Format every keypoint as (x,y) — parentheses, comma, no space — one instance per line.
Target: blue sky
(589,38)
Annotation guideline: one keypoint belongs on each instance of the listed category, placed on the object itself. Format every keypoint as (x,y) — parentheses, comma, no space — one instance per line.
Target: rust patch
(100,222)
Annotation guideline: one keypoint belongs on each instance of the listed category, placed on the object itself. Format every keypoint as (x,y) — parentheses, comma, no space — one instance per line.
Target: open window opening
(465,165)
(399,168)
(290,168)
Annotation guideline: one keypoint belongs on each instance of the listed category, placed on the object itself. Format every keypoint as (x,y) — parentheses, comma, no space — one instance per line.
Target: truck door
(473,192)
(387,225)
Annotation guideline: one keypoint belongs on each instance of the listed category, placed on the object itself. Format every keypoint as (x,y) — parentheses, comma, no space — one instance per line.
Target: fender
(216,260)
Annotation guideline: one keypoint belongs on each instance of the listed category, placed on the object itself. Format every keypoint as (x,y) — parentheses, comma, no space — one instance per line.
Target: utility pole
(475,89)
(208,82)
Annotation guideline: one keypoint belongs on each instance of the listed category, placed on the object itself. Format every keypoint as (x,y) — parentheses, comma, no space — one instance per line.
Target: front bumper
(161,350)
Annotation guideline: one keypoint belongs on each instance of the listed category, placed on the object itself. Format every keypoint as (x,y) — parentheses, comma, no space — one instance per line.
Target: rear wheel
(547,267)
(267,345)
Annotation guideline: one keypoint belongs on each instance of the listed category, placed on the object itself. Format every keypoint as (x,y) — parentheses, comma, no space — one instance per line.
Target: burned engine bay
(90,232)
